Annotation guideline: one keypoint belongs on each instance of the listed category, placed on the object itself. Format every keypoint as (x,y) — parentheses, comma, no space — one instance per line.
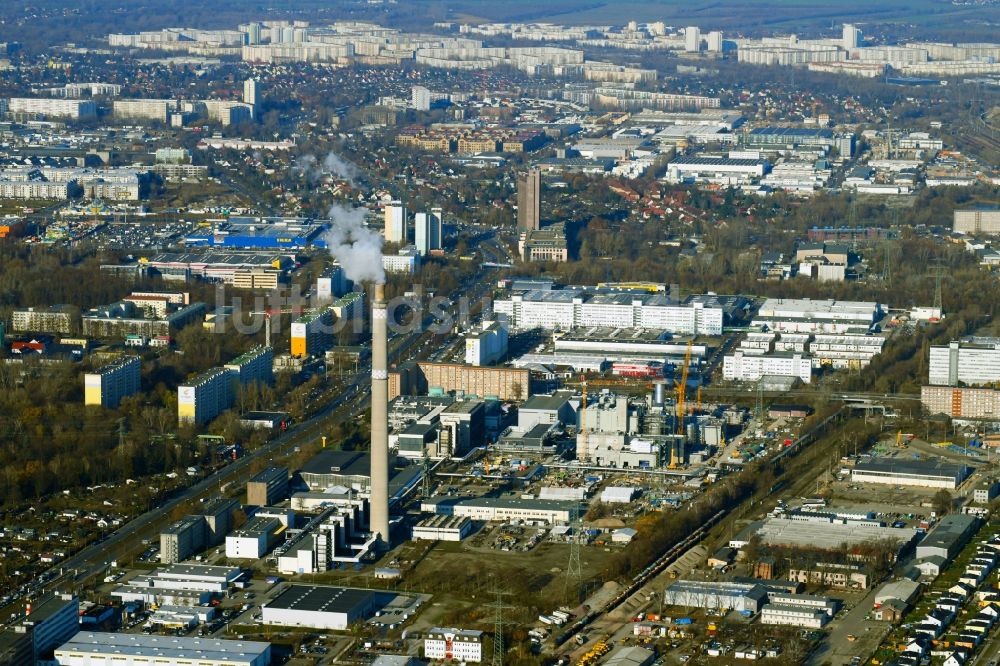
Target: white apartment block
(107,386)
(741,367)
(970,361)
(144,109)
(76,109)
(563,310)
(395,223)
(461,645)
(406,261)
(56,319)
(487,346)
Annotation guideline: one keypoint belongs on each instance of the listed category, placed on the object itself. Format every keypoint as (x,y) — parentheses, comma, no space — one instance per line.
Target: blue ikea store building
(261,232)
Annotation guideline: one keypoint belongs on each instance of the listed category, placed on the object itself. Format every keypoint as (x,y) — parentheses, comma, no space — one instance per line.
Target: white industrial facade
(707,594)
(805,315)
(972,361)
(741,367)
(910,473)
(442,528)
(464,645)
(563,310)
(489,509)
(252,541)
(793,616)
(101,649)
(319,607)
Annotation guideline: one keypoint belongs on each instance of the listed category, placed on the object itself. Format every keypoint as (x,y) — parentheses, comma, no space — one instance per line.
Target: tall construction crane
(682,388)
(274,312)
(582,430)
(676,457)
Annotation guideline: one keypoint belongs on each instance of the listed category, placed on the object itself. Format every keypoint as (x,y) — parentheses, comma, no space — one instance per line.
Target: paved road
(94,558)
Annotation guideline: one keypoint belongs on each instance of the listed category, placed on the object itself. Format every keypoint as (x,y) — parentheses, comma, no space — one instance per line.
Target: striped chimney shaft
(380,420)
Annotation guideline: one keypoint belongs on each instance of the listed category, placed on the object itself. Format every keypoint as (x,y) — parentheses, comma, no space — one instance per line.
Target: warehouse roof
(324,598)
(332,461)
(631,656)
(921,468)
(827,536)
(169,648)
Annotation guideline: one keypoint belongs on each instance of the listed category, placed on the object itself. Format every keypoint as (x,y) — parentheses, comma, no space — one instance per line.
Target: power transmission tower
(574,570)
(498,606)
(425,480)
(121,433)
(938,274)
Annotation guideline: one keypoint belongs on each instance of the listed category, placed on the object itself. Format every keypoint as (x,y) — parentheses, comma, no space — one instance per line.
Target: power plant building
(268,487)
(486,382)
(113,382)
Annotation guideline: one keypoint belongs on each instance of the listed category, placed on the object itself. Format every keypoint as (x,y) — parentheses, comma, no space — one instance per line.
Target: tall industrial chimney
(380,419)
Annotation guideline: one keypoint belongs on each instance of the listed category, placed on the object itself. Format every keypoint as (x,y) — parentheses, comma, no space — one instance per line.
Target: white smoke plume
(340,168)
(309,167)
(357,248)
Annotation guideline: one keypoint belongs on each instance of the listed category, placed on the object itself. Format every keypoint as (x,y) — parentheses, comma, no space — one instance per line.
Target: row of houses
(927,637)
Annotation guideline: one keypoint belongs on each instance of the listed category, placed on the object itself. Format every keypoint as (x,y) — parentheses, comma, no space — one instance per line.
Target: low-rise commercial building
(503,509)
(948,537)
(321,606)
(254,540)
(793,616)
(900,472)
(713,594)
(442,528)
(829,536)
(805,315)
(91,648)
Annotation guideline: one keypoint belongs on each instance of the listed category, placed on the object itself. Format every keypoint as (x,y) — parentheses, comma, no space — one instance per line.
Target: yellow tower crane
(681,397)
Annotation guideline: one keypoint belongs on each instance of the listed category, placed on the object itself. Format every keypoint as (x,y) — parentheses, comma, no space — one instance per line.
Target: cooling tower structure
(380,421)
